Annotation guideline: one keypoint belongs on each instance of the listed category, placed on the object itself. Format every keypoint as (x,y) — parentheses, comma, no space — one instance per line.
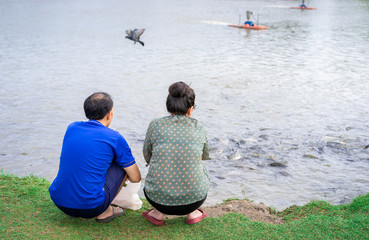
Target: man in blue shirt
(93,164)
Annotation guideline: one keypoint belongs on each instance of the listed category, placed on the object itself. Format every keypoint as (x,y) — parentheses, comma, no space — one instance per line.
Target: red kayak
(304,8)
(247,26)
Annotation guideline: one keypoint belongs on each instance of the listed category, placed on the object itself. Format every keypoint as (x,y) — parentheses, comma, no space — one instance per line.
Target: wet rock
(220,177)
(277,164)
(309,156)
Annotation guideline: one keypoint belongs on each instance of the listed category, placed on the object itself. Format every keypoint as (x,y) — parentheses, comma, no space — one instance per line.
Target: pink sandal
(198,219)
(151,219)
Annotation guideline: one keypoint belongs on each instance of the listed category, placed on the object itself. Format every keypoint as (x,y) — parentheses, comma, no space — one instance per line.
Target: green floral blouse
(175,147)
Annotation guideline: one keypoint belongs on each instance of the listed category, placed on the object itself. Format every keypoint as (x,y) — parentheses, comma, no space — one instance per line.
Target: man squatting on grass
(93,163)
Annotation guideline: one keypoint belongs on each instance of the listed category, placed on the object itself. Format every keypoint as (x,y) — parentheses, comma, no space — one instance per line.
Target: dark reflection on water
(285,109)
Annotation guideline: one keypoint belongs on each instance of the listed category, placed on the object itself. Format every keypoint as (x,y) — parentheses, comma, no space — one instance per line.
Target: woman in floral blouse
(177,182)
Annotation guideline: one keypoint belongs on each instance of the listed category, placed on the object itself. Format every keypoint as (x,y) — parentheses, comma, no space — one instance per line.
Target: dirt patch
(253,211)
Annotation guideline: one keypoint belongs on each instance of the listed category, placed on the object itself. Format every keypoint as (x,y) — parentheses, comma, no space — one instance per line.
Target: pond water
(286,109)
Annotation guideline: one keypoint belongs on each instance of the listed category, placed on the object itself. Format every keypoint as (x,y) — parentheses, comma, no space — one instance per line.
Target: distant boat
(248,24)
(303,6)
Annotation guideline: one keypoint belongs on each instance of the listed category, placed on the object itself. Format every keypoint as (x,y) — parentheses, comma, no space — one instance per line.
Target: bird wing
(139,31)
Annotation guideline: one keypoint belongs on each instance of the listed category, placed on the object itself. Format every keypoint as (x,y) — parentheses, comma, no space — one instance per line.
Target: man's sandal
(115,214)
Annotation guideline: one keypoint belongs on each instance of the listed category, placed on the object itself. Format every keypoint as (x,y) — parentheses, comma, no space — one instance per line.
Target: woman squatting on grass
(175,146)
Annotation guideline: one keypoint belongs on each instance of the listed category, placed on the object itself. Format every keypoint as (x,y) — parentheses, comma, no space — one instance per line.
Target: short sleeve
(124,154)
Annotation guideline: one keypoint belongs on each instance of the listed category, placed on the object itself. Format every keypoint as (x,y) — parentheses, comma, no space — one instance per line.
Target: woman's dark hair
(180,98)
(98,105)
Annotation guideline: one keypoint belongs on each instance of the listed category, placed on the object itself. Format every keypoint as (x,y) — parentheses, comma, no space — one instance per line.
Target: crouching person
(175,146)
(94,162)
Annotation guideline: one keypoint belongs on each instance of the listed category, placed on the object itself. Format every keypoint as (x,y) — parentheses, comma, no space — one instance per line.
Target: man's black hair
(98,105)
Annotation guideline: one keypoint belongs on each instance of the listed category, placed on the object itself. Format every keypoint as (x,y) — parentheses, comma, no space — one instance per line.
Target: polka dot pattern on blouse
(175,146)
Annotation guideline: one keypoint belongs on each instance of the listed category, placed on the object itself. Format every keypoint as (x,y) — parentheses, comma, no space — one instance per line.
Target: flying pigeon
(135,35)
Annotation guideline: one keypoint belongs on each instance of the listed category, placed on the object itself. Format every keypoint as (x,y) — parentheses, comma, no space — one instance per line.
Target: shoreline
(27,212)
(252,210)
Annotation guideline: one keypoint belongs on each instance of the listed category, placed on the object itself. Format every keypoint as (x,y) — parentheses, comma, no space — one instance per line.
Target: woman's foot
(196,216)
(154,216)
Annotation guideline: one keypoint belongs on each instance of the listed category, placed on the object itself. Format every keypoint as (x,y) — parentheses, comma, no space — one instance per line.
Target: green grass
(26,212)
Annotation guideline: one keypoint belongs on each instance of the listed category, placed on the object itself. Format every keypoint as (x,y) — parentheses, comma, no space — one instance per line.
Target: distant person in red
(93,164)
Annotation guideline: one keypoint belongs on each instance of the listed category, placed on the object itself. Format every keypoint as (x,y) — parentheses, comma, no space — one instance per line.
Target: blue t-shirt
(88,151)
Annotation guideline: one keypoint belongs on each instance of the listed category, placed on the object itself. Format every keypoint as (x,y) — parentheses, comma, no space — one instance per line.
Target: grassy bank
(26,212)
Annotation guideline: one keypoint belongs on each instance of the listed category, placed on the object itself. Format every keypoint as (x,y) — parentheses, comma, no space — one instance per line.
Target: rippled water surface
(286,109)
